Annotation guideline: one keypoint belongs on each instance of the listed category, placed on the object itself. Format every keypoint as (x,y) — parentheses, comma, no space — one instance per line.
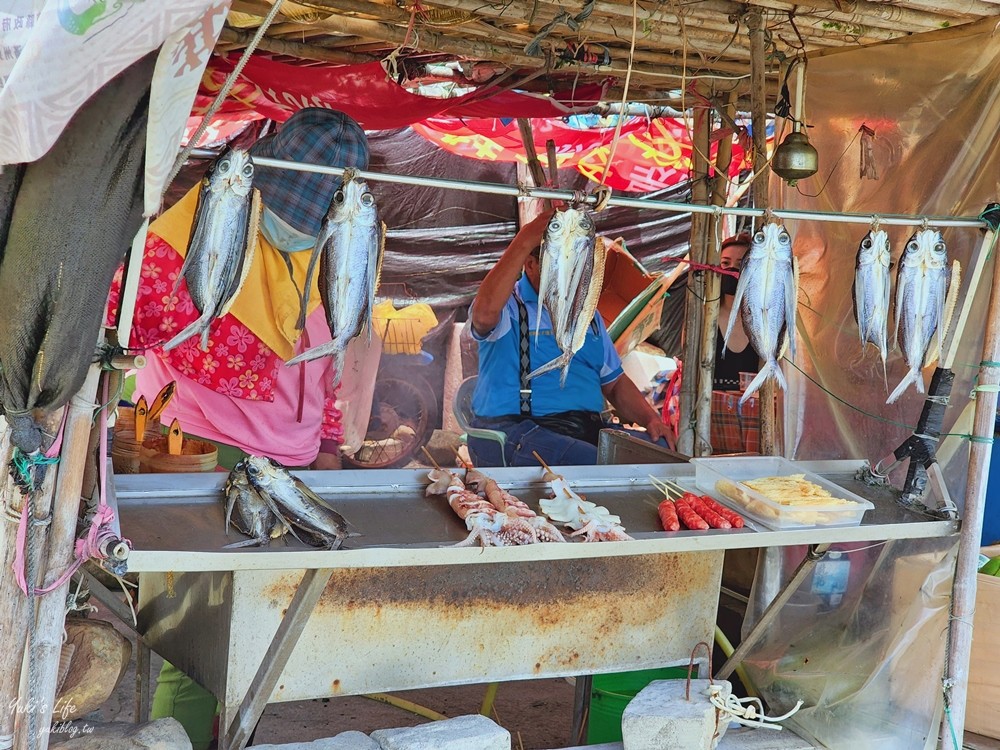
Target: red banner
(651,153)
(277,89)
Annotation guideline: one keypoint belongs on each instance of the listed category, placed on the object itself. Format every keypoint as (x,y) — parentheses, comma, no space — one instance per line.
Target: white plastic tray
(709,472)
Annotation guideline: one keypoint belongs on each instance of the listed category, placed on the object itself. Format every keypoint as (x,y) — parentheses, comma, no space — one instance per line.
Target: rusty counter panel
(410,627)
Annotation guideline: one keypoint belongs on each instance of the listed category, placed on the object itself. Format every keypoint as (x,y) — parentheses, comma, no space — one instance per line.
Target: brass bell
(795,158)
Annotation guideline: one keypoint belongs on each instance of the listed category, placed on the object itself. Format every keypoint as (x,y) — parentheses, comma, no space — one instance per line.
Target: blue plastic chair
(464,415)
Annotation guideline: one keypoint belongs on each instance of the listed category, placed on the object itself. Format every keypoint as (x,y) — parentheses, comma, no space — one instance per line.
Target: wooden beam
(687,442)
(713,293)
(758,115)
(294,49)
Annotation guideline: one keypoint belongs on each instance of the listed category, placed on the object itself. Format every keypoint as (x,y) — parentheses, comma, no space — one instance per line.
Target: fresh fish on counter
(571,277)
(871,291)
(922,305)
(766,296)
(256,516)
(349,250)
(223,242)
(313,520)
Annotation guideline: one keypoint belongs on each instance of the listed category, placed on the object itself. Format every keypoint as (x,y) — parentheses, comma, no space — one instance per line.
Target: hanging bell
(795,158)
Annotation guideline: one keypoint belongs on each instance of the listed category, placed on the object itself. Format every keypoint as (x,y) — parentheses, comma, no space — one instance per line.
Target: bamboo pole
(694,304)
(963,602)
(294,49)
(758,116)
(710,324)
(60,549)
(528,142)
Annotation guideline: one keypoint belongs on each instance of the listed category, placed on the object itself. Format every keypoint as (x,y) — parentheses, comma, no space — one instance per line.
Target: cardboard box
(981,714)
(631,300)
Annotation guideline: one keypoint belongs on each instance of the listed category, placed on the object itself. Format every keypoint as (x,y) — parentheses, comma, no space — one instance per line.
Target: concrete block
(162,734)
(661,717)
(472,732)
(343,741)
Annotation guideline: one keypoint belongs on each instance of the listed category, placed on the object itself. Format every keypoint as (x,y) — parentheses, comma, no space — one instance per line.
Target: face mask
(283,235)
(729,283)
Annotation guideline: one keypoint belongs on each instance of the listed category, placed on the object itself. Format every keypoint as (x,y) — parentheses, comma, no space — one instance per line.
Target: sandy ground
(538,713)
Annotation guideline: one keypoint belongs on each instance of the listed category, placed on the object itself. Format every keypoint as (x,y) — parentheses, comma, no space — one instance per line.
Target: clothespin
(175,438)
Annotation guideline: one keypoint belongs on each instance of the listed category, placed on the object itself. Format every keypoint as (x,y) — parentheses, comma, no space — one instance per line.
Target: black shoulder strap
(523,347)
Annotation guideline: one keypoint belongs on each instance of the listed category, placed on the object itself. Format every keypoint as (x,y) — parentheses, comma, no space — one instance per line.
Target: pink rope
(88,547)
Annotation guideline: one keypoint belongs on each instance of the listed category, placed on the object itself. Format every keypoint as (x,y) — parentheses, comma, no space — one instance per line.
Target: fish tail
(199,326)
(338,366)
(323,350)
(561,361)
(913,376)
(769,370)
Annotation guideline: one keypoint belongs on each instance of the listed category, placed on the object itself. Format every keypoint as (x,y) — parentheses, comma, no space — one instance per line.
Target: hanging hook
(925,223)
(876,222)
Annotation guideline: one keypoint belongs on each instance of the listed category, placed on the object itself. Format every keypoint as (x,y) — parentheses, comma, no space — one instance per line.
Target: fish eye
(939,247)
(586,223)
(784,238)
(866,243)
(224,165)
(912,245)
(554,225)
(252,469)
(339,196)
(759,237)
(248,170)
(367,199)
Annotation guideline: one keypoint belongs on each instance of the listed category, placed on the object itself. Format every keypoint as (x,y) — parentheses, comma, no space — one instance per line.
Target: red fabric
(237,363)
(651,154)
(277,89)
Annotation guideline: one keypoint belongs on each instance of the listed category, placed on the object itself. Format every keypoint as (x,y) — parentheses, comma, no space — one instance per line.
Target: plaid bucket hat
(313,136)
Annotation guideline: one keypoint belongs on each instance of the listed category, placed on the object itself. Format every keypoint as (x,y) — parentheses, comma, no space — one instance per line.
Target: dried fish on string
(766,296)
(349,250)
(871,291)
(223,243)
(572,272)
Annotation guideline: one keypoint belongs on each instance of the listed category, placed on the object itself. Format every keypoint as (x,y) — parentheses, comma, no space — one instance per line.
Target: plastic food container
(721,478)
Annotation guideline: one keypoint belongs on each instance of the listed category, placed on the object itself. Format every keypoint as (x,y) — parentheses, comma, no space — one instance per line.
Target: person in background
(738,356)
(239,394)
(562,423)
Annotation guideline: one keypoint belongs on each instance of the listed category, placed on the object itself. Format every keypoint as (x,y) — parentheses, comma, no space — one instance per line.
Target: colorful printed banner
(651,154)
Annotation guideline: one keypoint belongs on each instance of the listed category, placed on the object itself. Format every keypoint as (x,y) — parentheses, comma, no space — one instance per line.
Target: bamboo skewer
(430,458)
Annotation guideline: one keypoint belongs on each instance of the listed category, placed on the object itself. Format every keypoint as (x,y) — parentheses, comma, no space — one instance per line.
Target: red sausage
(714,519)
(668,516)
(732,516)
(687,514)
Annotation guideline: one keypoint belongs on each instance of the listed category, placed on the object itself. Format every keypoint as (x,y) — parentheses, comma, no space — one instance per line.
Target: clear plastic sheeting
(860,643)
(935,108)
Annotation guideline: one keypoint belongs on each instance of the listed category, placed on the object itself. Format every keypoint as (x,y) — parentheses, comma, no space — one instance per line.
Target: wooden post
(963,601)
(694,306)
(758,118)
(706,372)
(527,138)
(62,536)
(13,602)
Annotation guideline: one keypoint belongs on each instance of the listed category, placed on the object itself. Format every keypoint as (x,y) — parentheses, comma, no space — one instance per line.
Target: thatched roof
(586,40)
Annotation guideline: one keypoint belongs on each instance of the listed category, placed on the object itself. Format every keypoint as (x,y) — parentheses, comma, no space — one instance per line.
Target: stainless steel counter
(176,521)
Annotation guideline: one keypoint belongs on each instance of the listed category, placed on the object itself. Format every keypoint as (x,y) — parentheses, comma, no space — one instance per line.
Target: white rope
(223,93)
(747,711)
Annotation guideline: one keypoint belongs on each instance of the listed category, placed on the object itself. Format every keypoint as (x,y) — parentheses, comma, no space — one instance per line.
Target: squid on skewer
(485,523)
(512,506)
(593,522)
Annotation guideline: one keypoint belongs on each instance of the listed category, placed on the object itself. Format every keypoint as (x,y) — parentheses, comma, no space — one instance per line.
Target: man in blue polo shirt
(561,423)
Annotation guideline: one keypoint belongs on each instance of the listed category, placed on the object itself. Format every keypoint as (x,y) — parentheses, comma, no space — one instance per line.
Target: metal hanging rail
(568,195)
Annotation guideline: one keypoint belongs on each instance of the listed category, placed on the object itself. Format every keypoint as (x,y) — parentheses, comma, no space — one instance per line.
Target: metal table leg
(273,664)
(141,682)
(581,703)
(815,554)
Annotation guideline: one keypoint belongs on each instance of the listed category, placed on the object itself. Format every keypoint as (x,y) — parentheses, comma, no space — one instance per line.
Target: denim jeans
(526,436)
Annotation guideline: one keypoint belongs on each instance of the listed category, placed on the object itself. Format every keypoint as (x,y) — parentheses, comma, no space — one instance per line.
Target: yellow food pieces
(794,490)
